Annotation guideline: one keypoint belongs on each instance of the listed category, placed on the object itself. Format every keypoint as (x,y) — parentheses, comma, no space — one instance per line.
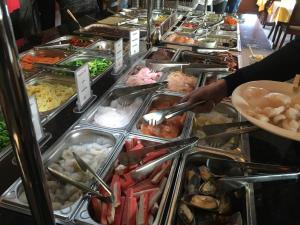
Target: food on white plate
(276,108)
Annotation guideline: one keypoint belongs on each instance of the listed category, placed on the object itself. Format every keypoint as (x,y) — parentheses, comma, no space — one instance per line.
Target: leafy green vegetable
(96,66)
(4,138)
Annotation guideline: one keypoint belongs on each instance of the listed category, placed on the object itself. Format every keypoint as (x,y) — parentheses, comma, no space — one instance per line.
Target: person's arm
(282,65)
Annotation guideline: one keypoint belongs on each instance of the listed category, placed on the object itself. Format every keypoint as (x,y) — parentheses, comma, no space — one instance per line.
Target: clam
(204,202)
(185,214)
(208,188)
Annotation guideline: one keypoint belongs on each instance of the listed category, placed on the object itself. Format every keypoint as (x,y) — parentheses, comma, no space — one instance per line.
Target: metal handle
(261,178)
(73,17)
(149,167)
(183,108)
(84,166)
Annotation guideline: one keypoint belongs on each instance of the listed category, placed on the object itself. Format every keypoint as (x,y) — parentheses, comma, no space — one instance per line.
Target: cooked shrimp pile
(272,107)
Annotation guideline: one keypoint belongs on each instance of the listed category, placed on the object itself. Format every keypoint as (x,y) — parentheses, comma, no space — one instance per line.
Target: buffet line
(180,190)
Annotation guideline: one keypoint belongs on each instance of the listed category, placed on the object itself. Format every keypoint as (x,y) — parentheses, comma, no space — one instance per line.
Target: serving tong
(126,95)
(267,173)
(179,147)
(157,117)
(85,167)
(199,67)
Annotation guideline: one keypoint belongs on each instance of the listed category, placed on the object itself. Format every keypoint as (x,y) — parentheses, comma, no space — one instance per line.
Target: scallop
(276,99)
(291,125)
(254,92)
(292,113)
(271,112)
(205,202)
(278,118)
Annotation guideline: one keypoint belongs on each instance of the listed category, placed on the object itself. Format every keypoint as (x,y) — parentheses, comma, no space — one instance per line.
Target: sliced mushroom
(185,213)
(208,188)
(205,173)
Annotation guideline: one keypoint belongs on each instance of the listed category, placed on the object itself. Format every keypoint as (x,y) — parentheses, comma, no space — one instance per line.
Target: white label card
(82,78)
(35,116)
(134,42)
(118,55)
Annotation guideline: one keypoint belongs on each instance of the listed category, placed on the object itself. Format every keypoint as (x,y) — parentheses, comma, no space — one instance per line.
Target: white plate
(242,106)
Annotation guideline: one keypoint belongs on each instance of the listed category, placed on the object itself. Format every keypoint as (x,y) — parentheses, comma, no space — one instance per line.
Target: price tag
(118,55)
(134,42)
(35,116)
(84,92)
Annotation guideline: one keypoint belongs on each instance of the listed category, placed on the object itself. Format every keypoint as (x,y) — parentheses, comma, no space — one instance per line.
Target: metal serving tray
(105,30)
(83,215)
(222,41)
(88,58)
(69,37)
(163,97)
(63,54)
(88,117)
(244,204)
(190,56)
(77,136)
(108,46)
(235,143)
(134,70)
(153,50)
(187,71)
(52,78)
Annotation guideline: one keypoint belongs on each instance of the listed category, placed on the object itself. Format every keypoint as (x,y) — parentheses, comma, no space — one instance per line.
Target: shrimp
(291,125)
(292,113)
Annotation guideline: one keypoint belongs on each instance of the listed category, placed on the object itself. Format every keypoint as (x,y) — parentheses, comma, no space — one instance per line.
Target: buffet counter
(108,129)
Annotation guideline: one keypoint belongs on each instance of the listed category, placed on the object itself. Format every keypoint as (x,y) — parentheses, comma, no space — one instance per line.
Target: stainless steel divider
(17,113)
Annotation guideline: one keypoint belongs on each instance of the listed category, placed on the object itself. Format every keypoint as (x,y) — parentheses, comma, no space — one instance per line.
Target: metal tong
(157,117)
(85,167)
(128,93)
(279,173)
(200,67)
(77,184)
(149,167)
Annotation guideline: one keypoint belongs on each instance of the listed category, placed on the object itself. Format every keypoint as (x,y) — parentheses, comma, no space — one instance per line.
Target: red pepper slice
(96,207)
(104,213)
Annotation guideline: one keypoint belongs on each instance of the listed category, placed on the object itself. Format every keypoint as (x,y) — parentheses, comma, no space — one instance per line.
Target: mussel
(208,188)
(204,202)
(205,173)
(225,204)
(185,213)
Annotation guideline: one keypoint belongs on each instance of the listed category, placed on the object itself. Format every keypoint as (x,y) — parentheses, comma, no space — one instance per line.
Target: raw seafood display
(180,39)
(142,75)
(50,95)
(181,82)
(204,201)
(4,136)
(136,201)
(162,54)
(170,128)
(63,195)
(116,115)
(42,56)
(272,107)
(78,42)
(96,66)
(189,25)
(27,60)
(219,58)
